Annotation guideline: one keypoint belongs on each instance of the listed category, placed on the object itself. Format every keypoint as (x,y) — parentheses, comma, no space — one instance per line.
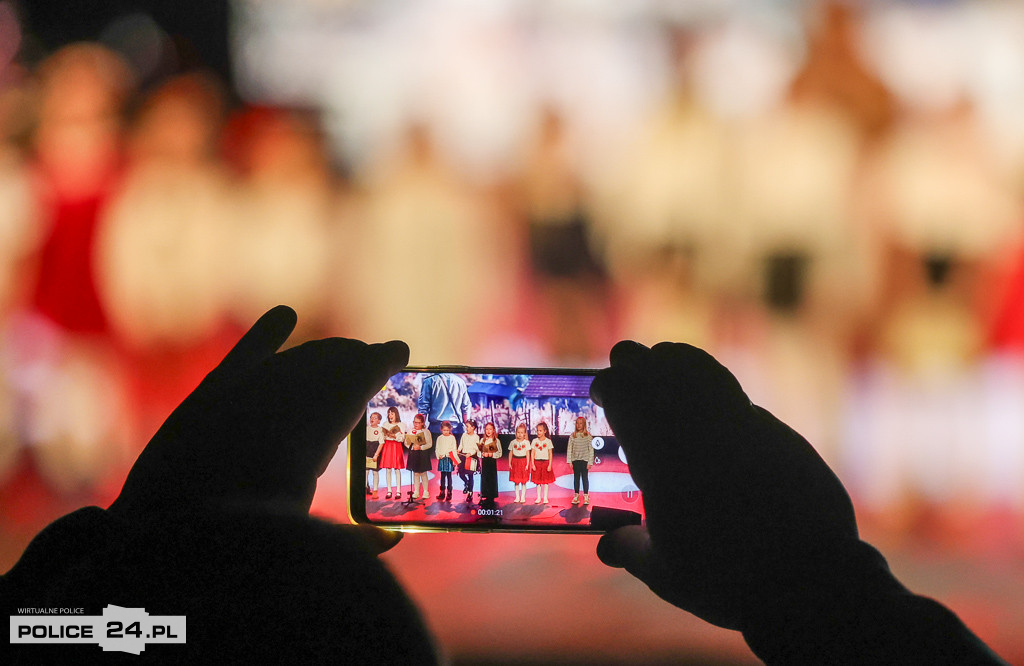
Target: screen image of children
(519,462)
(470,450)
(374,442)
(419,441)
(444,396)
(541,461)
(490,451)
(391,456)
(447,459)
(580,455)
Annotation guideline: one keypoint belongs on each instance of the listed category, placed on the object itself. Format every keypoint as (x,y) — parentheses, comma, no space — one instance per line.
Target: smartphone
(455,448)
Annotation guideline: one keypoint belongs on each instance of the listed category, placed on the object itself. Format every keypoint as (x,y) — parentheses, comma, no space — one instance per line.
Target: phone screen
(488,449)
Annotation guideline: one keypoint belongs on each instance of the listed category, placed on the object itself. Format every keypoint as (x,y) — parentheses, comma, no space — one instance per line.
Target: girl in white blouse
(374,440)
(468,447)
(392,456)
(444,448)
(541,461)
(519,462)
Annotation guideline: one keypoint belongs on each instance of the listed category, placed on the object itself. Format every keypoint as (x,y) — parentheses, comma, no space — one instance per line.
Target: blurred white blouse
(162,255)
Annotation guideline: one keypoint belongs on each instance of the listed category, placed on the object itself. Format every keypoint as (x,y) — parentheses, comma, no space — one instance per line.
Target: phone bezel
(357,468)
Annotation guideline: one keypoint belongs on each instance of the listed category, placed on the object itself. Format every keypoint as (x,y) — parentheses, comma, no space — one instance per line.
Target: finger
(391,356)
(714,386)
(378,540)
(626,547)
(345,370)
(362,370)
(264,338)
(616,384)
(630,548)
(627,352)
(331,381)
(625,356)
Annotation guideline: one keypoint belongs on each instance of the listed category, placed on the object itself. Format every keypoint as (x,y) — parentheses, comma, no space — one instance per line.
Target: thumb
(262,340)
(682,586)
(626,548)
(377,540)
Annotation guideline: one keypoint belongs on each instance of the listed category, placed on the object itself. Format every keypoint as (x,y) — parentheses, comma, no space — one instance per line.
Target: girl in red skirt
(519,461)
(392,457)
(541,460)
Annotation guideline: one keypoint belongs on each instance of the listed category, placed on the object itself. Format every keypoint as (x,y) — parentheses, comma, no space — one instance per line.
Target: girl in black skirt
(419,441)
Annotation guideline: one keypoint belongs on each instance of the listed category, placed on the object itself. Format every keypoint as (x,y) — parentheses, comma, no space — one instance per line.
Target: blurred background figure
(432,265)
(164,239)
(826,195)
(66,381)
(805,244)
(667,199)
(163,253)
(77,145)
(282,205)
(19,228)
(572,296)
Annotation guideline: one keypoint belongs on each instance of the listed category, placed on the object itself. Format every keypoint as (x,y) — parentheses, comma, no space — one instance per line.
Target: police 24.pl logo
(118,629)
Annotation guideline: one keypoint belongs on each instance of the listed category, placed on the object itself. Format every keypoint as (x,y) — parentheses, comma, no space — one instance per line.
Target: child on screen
(392,458)
(542,450)
(519,461)
(580,454)
(374,440)
(418,441)
(468,447)
(444,449)
(490,451)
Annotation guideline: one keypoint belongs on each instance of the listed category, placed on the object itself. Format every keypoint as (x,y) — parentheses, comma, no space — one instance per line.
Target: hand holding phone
(738,503)
(262,425)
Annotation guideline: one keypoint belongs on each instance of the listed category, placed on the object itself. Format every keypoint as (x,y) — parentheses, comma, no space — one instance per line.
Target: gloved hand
(262,426)
(741,511)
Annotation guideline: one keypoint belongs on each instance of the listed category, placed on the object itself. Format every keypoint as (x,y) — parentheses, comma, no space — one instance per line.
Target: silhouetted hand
(213,521)
(262,426)
(741,511)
